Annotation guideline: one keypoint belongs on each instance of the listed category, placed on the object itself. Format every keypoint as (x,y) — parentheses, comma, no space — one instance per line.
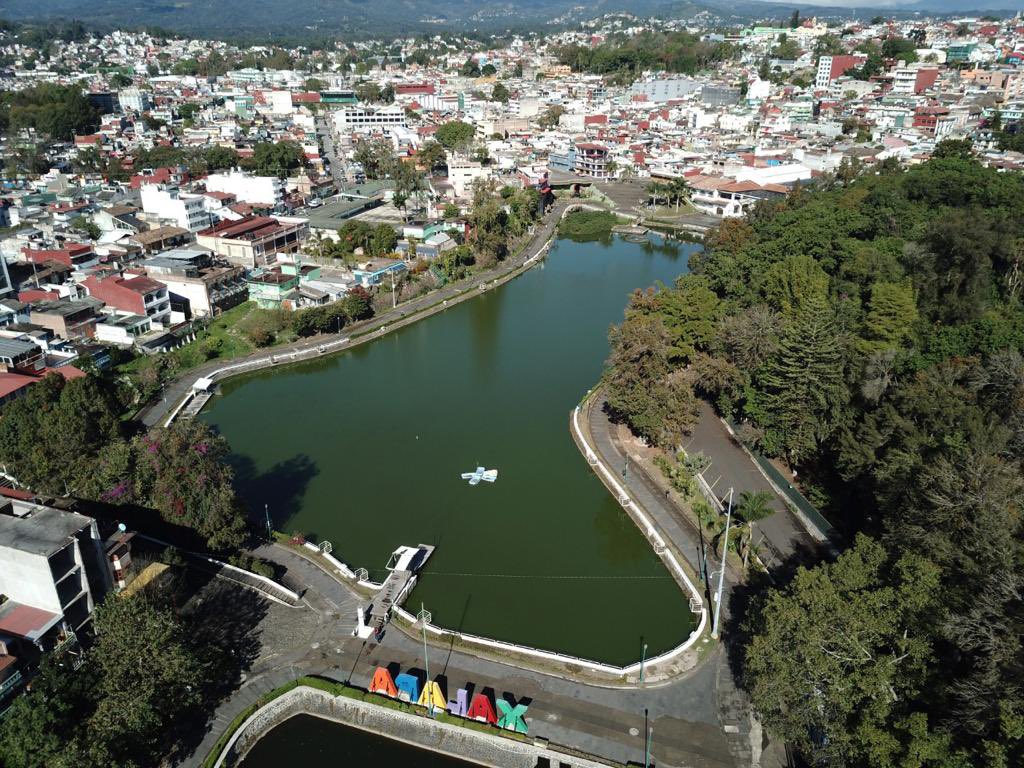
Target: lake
(365,449)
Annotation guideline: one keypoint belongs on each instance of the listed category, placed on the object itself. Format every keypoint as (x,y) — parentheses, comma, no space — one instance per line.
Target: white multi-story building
(133,100)
(259,190)
(462,173)
(185,210)
(52,569)
(348,118)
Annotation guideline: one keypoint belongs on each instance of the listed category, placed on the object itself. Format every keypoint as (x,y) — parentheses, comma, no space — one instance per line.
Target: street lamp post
(721,573)
(648,734)
(425,618)
(270,530)
(643,658)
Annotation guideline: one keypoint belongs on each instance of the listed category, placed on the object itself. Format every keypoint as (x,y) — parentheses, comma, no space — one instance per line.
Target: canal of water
(365,450)
(317,743)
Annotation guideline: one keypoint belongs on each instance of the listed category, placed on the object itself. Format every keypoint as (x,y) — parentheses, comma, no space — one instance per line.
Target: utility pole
(648,733)
(425,618)
(721,573)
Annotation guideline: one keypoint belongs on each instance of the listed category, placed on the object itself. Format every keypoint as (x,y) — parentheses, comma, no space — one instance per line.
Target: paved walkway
(407,312)
(779,536)
(668,517)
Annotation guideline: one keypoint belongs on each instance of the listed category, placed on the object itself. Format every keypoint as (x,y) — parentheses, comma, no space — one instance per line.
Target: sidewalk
(648,495)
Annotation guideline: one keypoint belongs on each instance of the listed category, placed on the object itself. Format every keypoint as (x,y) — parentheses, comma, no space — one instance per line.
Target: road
(689,715)
(784,536)
(323,132)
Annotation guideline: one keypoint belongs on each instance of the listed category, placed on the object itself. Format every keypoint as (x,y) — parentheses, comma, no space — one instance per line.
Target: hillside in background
(348,19)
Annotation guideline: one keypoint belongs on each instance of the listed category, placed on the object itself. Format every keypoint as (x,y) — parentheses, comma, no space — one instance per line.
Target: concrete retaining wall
(417,730)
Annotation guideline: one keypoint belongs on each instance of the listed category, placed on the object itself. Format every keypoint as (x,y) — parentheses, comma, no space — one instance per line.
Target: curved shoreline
(657,669)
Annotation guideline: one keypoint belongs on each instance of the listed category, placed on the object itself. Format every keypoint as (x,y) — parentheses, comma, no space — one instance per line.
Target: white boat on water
(490,475)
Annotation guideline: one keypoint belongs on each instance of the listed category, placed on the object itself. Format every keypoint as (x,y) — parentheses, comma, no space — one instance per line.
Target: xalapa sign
(505,712)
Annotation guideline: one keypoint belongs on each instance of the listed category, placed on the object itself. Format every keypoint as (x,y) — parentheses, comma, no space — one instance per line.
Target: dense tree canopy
(455,134)
(279,158)
(870,333)
(139,678)
(68,437)
(56,111)
(626,58)
(51,438)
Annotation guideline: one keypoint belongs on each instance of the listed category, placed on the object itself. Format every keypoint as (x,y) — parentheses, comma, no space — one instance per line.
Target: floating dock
(404,565)
(630,229)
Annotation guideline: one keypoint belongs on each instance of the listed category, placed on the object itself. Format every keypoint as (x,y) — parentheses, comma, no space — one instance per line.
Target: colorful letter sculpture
(382,683)
(432,697)
(406,687)
(511,716)
(460,705)
(482,709)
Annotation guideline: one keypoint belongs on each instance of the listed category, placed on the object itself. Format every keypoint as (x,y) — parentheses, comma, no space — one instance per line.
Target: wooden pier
(405,564)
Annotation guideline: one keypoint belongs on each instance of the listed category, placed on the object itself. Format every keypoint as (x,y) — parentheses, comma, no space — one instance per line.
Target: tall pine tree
(802,385)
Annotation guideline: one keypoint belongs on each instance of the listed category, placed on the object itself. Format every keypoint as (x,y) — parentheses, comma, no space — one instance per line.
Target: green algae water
(323,744)
(365,450)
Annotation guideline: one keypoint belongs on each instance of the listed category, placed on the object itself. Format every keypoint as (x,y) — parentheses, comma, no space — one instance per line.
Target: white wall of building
(260,190)
(187,211)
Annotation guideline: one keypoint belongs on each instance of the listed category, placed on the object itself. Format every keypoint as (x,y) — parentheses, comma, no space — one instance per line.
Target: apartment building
(185,210)
(193,277)
(462,173)
(831,67)
(909,81)
(349,118)
(52,571)
(67,319)
(254,241)
(133,295)
(258,190)
(591,160)
(134,100)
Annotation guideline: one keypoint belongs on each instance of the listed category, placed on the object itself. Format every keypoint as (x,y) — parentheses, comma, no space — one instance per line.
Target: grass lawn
(222,339)
(668,211)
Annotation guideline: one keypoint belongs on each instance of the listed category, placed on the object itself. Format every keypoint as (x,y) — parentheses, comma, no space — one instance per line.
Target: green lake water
(317,743)
(365,450)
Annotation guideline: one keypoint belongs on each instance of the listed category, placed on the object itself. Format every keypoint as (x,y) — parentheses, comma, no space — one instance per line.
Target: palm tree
(679,191)
(656,190)
(754,506)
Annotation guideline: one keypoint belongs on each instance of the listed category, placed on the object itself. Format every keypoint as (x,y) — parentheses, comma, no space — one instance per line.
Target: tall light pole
(648,734)
(270,530)
(425,618)
(721,573)
(643,658)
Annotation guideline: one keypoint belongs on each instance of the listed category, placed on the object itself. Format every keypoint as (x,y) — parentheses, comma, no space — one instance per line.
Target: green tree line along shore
(868,333)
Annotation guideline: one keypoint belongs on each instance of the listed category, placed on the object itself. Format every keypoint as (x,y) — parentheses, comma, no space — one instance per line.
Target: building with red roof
(132,294)
(254,241)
